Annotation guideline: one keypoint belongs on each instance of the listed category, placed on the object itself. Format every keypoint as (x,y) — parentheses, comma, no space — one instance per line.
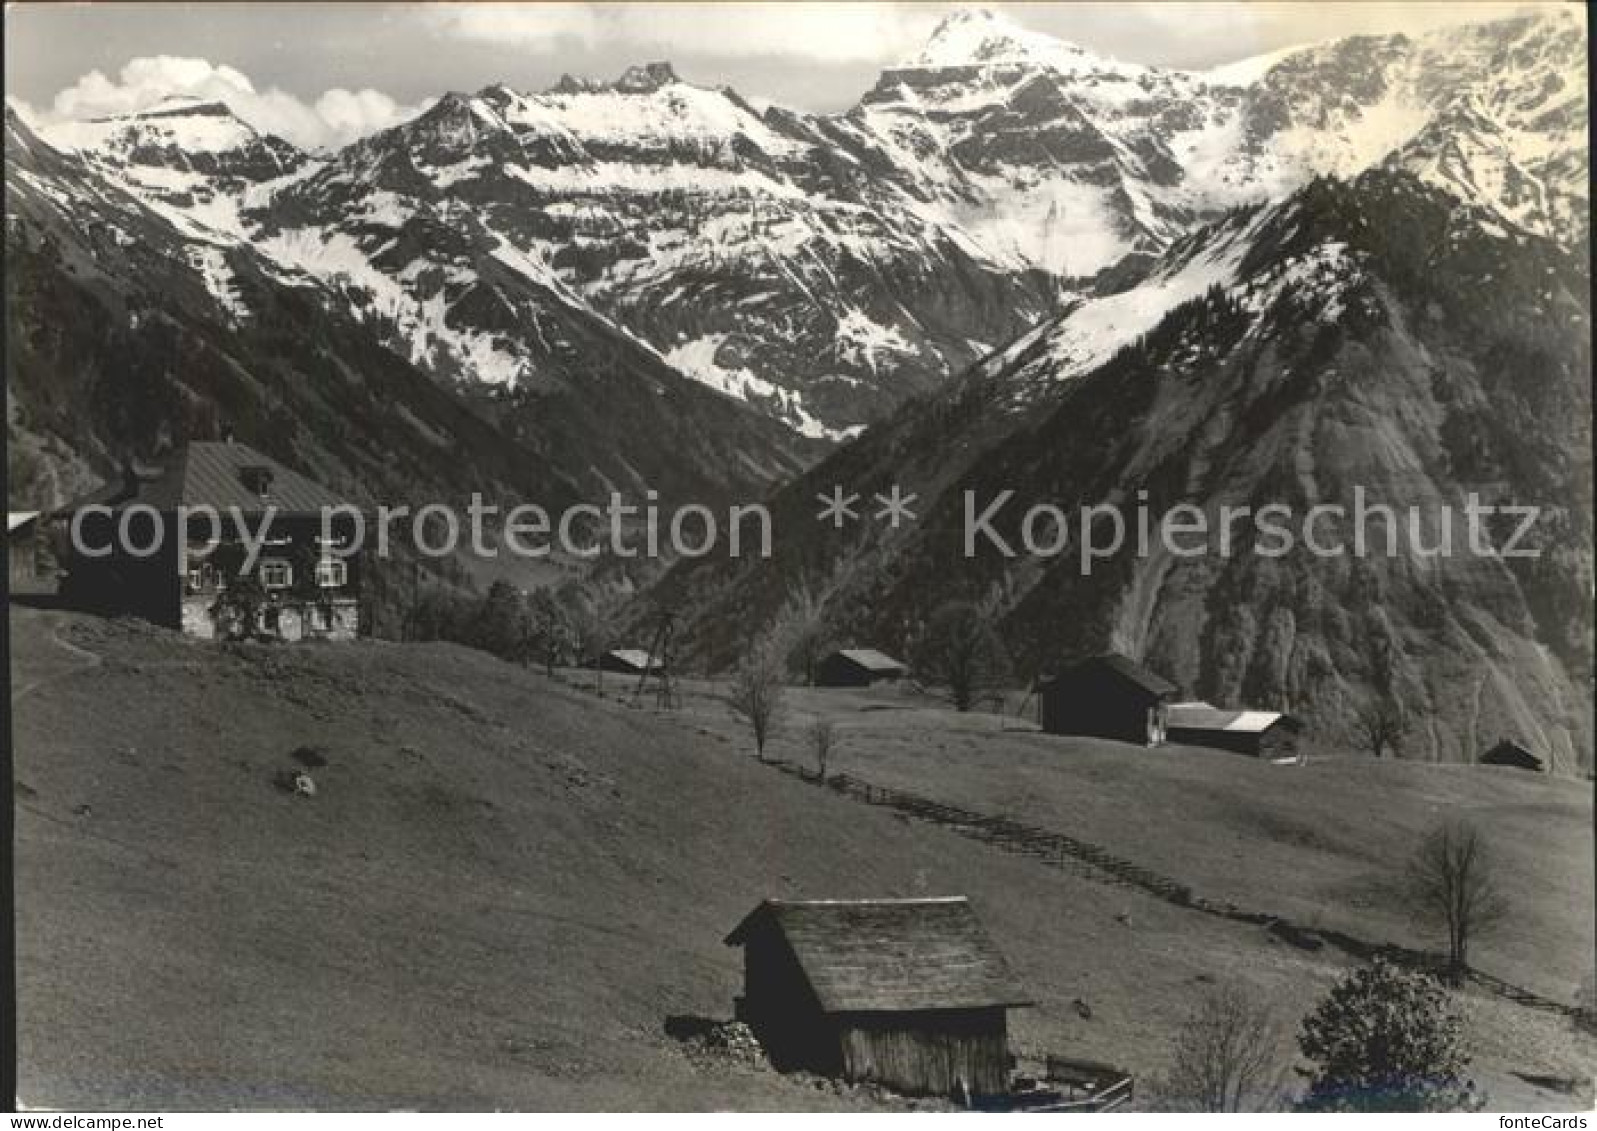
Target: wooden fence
(1091,861)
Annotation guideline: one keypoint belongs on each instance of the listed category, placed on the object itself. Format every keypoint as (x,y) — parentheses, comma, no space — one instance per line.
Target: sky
(323,74)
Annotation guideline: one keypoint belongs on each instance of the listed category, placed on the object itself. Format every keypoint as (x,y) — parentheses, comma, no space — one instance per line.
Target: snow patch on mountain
(864,342)
(211,264)
(1094,332)
(1091,333)
(982,37)
(184,124)
(422,325)
(699,359)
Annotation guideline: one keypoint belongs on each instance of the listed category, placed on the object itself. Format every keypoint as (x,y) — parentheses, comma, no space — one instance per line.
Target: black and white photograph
(798,557)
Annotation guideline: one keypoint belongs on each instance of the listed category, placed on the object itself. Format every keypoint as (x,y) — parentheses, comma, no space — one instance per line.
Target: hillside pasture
(504,886)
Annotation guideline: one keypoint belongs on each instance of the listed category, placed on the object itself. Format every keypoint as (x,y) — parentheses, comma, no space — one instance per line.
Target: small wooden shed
(858,667)
(1507,752)
(1259,734)
(628,661)
(908,993)
(1108,696)
(22,546)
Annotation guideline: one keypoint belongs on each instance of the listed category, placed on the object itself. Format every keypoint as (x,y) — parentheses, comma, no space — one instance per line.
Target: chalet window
(276,574)
(201,577)
(257,479)
(332,573)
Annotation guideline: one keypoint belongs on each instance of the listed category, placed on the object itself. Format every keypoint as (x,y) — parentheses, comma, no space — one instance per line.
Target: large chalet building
(147,547)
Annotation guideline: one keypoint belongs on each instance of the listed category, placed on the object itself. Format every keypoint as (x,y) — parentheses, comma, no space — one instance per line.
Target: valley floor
(504,886)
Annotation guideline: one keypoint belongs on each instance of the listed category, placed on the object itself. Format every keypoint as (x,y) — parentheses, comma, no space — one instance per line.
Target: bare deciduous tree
(758,689)
(547,635)
(802,624)
(594,622)
(960,650)
(822,736)
(1228,1056)
(1381,725)
(1454,881)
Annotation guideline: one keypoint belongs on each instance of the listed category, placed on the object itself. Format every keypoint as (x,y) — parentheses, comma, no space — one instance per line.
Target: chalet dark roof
(223,475)
(872,660)
(1126,668)
(889,955)
(1507,752)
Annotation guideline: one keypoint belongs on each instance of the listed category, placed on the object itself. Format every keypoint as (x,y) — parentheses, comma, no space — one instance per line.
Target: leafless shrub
(1228,1056)
(822,736)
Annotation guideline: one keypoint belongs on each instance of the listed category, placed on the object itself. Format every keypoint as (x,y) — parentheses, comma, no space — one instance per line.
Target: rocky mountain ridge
(823,268)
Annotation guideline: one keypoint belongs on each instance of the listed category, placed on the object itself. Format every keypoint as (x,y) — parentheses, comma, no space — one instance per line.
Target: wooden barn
(858,667)
(628,661)
(1108,696)
(1507,752)
(908,993)
(176,568)
(1261,734)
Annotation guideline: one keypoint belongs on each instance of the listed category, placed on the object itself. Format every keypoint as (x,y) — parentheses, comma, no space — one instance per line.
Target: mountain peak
(641,78)
(187,106)
(645,78)
(977,36)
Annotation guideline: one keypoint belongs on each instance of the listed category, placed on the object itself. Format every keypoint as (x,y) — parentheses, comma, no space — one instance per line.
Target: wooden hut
(1259,734)
(858,667)
(1108,696)
(22,547)
(628,661)
(1507,752)
(908,993)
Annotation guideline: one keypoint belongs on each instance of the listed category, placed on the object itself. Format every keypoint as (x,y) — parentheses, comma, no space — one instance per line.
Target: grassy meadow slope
(1324,844)
(504,886)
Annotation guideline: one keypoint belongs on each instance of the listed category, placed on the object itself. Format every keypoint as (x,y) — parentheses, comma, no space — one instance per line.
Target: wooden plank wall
(929,1055)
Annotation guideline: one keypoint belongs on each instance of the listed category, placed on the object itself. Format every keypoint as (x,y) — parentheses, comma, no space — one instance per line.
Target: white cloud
(336,118)
(535,26)
(1170,32)
(820,32)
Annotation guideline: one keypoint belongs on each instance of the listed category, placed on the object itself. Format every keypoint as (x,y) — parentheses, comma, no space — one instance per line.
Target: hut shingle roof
(636,658)
(1136,673)
(872,660)
(890,955)
(1203,716)
(1122,666)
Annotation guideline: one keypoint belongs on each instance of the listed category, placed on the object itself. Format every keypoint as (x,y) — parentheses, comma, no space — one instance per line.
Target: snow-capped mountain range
(823,268)
(1025,267)
(1298,354)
